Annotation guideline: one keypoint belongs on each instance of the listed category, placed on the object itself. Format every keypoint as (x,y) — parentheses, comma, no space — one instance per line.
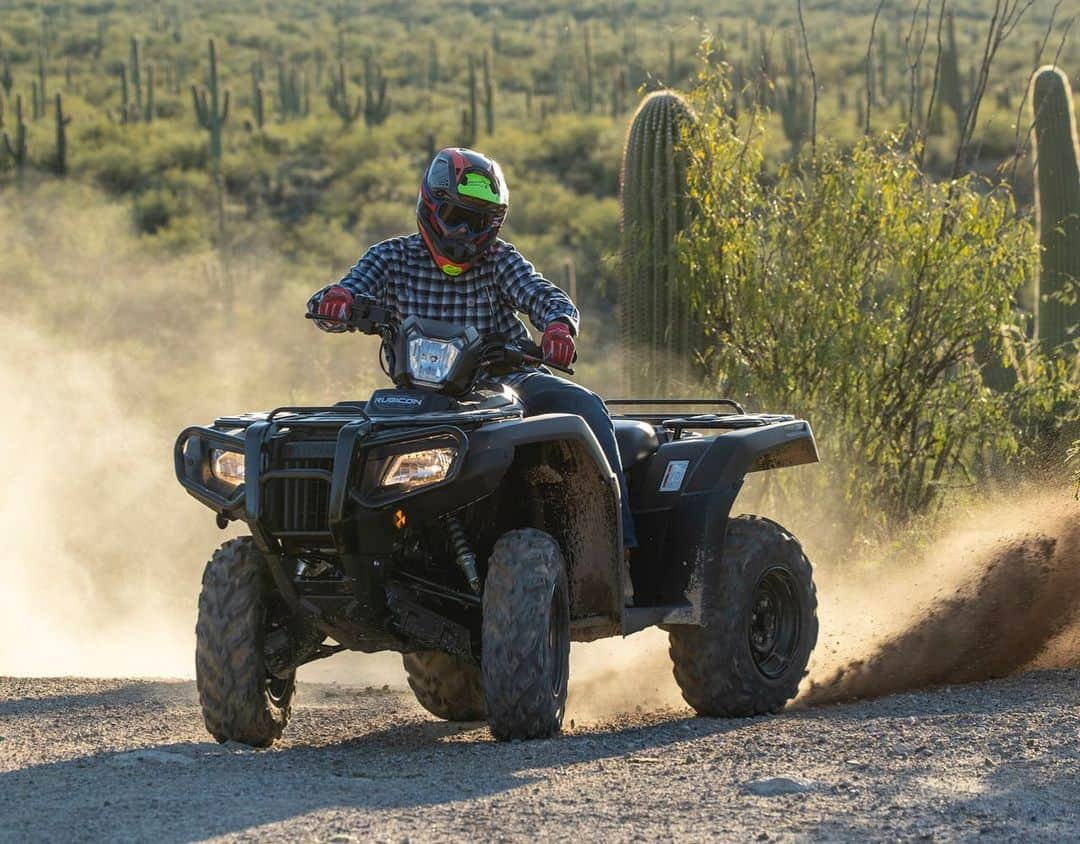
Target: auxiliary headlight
(227,466)
(418,468)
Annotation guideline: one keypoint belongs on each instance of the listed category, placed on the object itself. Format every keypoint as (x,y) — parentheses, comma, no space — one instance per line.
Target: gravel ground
(129,760)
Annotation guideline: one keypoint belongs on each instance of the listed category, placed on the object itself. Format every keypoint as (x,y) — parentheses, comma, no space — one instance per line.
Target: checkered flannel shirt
(400,276)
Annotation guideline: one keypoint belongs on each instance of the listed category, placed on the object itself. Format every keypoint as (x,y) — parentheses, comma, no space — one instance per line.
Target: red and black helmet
(462,205)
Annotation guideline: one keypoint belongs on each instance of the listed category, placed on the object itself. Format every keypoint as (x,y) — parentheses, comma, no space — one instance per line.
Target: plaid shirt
(400,276)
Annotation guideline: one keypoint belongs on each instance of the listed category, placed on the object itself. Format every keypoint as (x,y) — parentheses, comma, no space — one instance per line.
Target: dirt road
(129,760)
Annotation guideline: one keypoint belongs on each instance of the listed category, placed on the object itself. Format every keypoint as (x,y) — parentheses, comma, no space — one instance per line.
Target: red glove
(336,302)
(558,344)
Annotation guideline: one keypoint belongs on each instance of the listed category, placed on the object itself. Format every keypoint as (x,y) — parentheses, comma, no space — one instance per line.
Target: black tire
(446,686)
(526,636)
(240,700)
(759,628)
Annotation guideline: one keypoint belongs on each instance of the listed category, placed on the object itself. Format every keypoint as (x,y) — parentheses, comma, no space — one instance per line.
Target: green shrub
(856,291)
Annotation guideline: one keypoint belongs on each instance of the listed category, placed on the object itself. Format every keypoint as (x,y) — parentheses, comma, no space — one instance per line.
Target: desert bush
(855,290)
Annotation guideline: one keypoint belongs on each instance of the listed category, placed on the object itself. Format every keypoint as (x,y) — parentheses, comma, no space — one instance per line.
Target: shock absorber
(464,555)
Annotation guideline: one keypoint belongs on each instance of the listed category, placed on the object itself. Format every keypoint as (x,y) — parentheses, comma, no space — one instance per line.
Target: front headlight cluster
(431,361)
(227,466)
(418,468)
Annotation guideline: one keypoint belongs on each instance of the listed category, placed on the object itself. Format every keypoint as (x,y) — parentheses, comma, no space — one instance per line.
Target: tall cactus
(376,106)
(41,74)
(1057,188)
(6,79)
(657,329)
(212,111)
(62,121)
(340,102)
(136,75)
(212,107)
(489,96)
(952,86)
(125,102)
(15,146)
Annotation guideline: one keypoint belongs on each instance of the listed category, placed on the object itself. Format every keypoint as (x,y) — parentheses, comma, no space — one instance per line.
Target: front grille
(300,505)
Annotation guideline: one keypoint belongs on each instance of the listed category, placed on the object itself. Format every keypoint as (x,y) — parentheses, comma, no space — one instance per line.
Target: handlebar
(379,321)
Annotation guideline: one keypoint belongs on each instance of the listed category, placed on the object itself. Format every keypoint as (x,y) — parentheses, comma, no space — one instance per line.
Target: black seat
(637,440)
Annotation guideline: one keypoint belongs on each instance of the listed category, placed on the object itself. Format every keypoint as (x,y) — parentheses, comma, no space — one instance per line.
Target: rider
(457,269)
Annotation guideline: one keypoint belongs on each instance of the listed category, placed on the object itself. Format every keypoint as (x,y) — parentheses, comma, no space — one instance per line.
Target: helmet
(462,205)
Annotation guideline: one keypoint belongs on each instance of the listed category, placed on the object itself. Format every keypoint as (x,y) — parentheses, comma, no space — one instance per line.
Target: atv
(436,520)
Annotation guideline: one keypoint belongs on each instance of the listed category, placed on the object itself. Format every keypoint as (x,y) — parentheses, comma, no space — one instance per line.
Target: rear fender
(682,525)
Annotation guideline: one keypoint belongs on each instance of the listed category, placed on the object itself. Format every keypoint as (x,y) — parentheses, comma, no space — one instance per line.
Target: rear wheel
(241,700)
(526,636)
(446,686)
(759,629)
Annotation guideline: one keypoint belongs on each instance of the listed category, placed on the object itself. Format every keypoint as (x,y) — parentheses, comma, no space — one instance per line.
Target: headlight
(431,361)
(227,466)
(418,468)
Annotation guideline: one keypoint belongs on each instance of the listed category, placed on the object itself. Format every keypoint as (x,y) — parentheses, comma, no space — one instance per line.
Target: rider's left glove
(558,344)
(336,303)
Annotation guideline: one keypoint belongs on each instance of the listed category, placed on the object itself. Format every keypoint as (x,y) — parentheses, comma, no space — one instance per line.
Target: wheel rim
(277,689)
(559,645)
(775,620)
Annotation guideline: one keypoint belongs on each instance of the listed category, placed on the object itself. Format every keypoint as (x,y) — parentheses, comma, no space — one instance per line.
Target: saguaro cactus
(489,96)
(1057,187)
(212,107)
(136,75)
(15,146)
(212,111)
(340,101)
(62,120)
(657,329)
(376,106)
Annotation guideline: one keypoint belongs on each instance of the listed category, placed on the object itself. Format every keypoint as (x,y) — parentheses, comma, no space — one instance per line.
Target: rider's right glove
(336,302)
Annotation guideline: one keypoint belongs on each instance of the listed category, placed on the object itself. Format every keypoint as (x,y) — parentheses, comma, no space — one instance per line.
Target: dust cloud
(995,593)
(107,350)
(999,592)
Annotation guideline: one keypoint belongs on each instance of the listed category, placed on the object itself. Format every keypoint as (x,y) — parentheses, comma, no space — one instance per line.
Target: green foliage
(854,290)
(657,330)
(1057,176)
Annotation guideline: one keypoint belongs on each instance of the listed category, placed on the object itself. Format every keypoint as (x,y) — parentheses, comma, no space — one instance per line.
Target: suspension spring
(463,553)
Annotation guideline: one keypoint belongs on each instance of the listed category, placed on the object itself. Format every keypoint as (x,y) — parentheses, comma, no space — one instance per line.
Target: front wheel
(241,700)
(526,636)
(758,630)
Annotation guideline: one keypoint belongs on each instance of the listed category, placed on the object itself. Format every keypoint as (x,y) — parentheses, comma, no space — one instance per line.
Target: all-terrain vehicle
(435,520)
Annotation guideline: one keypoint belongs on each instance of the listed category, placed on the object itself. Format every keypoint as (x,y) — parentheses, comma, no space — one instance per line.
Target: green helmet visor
(479,186)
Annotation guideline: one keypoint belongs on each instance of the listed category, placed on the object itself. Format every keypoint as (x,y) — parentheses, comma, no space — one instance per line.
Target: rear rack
(730,421)
(734,405)
(663,418)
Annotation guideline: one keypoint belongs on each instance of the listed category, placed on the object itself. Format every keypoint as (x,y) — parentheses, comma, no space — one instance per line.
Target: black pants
(544,393)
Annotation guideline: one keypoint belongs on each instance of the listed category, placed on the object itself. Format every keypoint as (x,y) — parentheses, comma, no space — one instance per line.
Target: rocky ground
(129,760)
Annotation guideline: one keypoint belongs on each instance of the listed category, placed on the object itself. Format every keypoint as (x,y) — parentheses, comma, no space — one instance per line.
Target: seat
(637,440)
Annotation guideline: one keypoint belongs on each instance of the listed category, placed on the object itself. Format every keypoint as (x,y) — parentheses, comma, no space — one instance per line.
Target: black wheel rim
(559,645)
(775,620)
(277,689)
